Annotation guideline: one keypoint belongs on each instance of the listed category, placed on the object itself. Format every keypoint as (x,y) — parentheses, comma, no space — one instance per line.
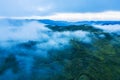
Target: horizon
(98,16)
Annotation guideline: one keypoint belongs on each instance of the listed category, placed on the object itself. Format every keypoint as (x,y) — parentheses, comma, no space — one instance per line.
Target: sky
(20,8)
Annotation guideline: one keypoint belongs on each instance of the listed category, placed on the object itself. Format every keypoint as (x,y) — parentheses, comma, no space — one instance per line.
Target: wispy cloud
(44,8)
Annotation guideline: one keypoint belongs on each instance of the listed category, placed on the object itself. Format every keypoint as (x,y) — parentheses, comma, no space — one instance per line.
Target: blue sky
(47,7)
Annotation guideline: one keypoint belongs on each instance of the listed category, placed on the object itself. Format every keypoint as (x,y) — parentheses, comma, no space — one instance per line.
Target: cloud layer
(96,16)
(47,7)
(35,31)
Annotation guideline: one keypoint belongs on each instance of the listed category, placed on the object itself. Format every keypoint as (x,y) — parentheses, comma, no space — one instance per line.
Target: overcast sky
(48,7)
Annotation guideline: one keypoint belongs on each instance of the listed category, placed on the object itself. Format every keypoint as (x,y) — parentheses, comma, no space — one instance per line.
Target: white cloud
(109,15)
(38,32)
(26,32)
(109,28)
(44,8)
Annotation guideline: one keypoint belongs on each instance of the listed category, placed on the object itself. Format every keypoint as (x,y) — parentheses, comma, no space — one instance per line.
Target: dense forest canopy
(96,59)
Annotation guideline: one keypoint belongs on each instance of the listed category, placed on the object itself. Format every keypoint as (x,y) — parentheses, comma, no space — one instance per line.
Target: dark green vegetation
(88,28)
(98,60)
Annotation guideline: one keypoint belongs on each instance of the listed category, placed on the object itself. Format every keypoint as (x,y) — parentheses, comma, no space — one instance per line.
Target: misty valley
(59,50)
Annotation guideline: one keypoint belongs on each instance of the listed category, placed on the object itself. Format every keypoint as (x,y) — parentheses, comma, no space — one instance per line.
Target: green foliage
(10,63)
(75,28)
(96,61)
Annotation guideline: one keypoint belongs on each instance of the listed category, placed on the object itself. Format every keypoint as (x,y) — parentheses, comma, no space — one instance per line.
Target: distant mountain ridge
(19,22)
(66,23)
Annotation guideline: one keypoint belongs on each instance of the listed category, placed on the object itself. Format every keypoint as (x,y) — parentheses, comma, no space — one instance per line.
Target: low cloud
(35,31)
(109,28)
